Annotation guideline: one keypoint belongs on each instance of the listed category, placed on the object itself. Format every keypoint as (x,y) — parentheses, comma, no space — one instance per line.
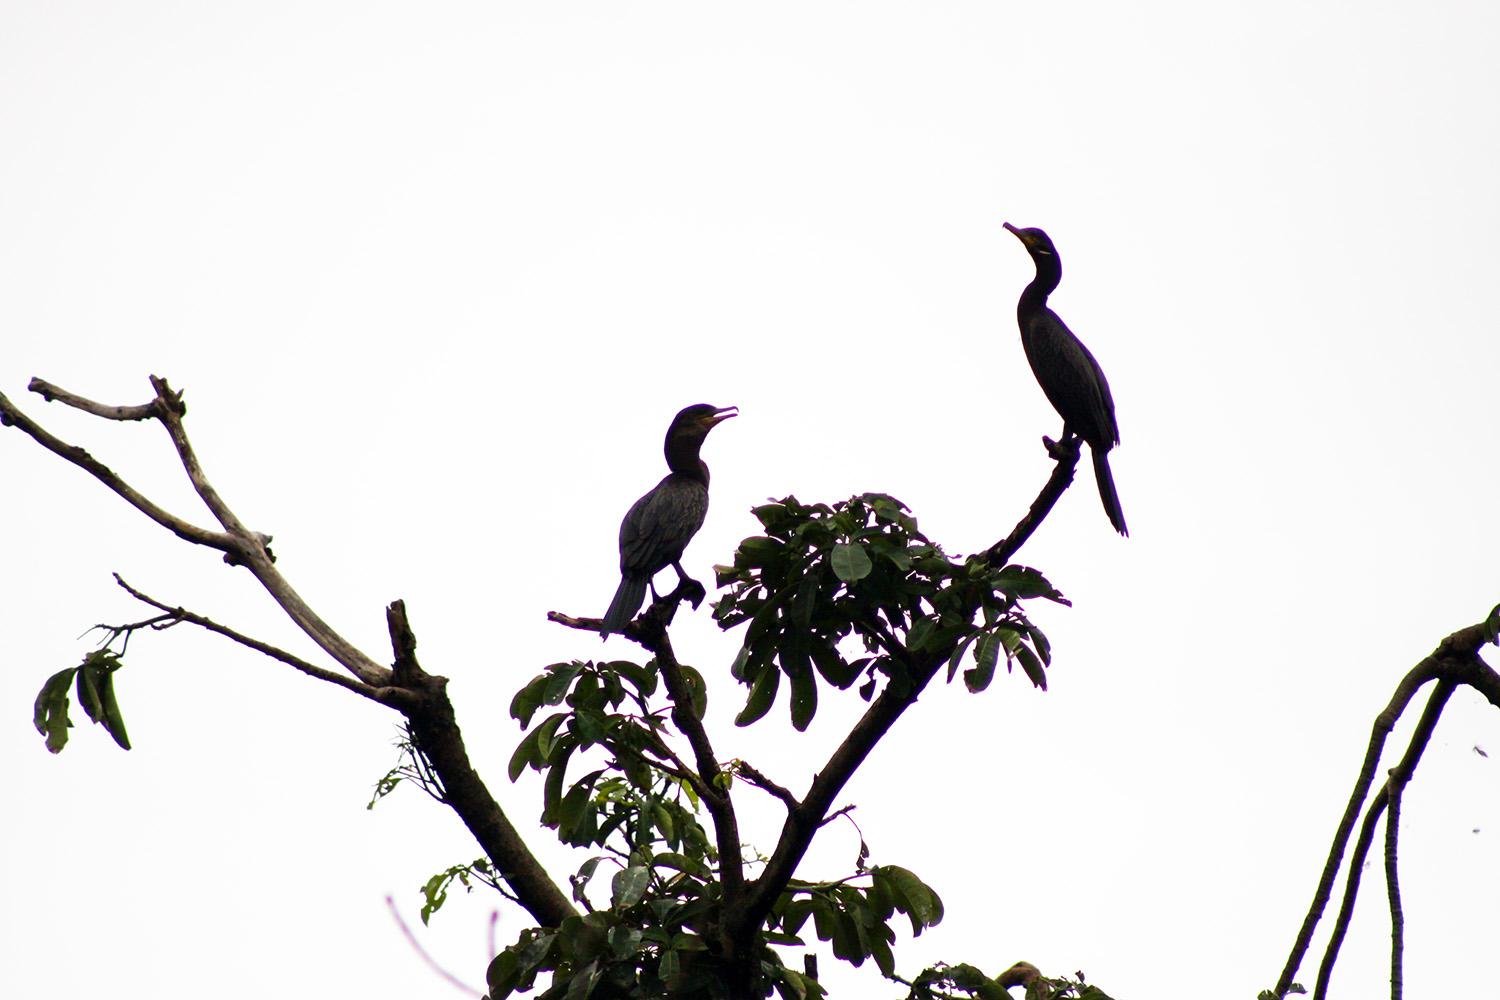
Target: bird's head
(1035,241)
(703,417)
(694,422)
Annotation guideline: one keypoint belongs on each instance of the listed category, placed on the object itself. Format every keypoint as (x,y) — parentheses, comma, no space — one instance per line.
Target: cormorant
(1071,378)
(659,525)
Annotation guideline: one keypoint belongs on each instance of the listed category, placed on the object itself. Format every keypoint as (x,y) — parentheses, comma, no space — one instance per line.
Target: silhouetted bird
(1071,378)
(660,524)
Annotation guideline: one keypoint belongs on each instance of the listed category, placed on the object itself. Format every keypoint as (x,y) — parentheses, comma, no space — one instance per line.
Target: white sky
(435,278)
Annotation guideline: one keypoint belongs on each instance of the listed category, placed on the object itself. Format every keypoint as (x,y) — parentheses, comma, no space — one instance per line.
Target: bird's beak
(719,416)
(1014,232)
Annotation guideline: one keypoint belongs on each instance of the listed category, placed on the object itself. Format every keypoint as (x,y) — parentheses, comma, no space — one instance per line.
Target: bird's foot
(689,590)
(1062,450)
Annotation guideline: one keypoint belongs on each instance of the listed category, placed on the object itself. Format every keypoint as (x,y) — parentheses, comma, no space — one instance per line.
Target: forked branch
(1454,663)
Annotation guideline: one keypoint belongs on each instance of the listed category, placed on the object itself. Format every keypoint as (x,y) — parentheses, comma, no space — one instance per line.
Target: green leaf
(630,885)
(697,689)
(762,696)
(958,655)
(682,863)
(88,689)
(921,631)
(911,896)
(50,713)
(558,684)
(1023,582)
(759,551)
(830,664)
(1032,666)
(502,975)
(804,687)
(978,677)
(850,562)
(112,720)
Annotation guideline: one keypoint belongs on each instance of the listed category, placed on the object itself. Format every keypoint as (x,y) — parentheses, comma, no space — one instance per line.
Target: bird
(1068,374)
(659,525)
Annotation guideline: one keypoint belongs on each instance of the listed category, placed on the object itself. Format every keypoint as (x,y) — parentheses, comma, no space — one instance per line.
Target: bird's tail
(627,602)
(1107,490)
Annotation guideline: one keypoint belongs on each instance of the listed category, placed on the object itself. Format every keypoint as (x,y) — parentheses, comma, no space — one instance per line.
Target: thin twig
(188,532)
(748,771)
(383,695)
(416,945)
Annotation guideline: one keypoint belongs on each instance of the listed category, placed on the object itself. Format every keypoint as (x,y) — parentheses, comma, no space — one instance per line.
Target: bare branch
(1393,789)
(384,695)
(240,546)
(169,410)
(1399,775)
(1455,659)
(13,417)
(1065,452)
(51,393)
(759,780)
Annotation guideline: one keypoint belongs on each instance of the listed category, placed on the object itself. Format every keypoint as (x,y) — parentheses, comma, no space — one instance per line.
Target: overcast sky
(436,277)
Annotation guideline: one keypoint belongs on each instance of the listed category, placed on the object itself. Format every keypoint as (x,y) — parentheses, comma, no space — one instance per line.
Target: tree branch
(435,732)
(717,797)
(1065,452)
(1455,660)
(239,545)
(747,771)
(1399,774)
(388,696)
(52,393)
(421,697)
(803,822)
(12,417)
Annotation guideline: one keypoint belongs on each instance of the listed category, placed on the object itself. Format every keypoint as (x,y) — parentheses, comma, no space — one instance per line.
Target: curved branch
(52,393)
(389,696)
(239,545)
(12,417)
(1065,452)
(1399,775)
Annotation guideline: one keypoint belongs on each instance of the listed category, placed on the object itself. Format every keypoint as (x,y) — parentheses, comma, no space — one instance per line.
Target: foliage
(822,574)
(94,680)
(822,578)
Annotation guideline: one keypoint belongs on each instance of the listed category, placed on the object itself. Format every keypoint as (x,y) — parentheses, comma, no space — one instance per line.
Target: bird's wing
(1071,379)
(660,524)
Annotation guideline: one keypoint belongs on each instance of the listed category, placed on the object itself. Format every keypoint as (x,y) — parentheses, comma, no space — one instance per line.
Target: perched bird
(1071,378)
(659,525)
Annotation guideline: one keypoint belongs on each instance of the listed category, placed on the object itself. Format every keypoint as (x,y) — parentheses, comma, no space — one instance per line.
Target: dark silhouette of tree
(829,600)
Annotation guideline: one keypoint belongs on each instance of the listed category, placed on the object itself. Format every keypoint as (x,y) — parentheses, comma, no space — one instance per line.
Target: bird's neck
(683,460)
(1048,274)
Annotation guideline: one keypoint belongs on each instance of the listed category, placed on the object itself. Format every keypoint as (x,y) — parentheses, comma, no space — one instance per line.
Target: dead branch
(391,696)
(1454,662)
(239,545)
(52,393)
(421,697)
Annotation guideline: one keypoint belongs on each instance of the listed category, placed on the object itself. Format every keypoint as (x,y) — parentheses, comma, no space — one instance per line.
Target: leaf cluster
(94,682)
(952,982)
(860,570)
